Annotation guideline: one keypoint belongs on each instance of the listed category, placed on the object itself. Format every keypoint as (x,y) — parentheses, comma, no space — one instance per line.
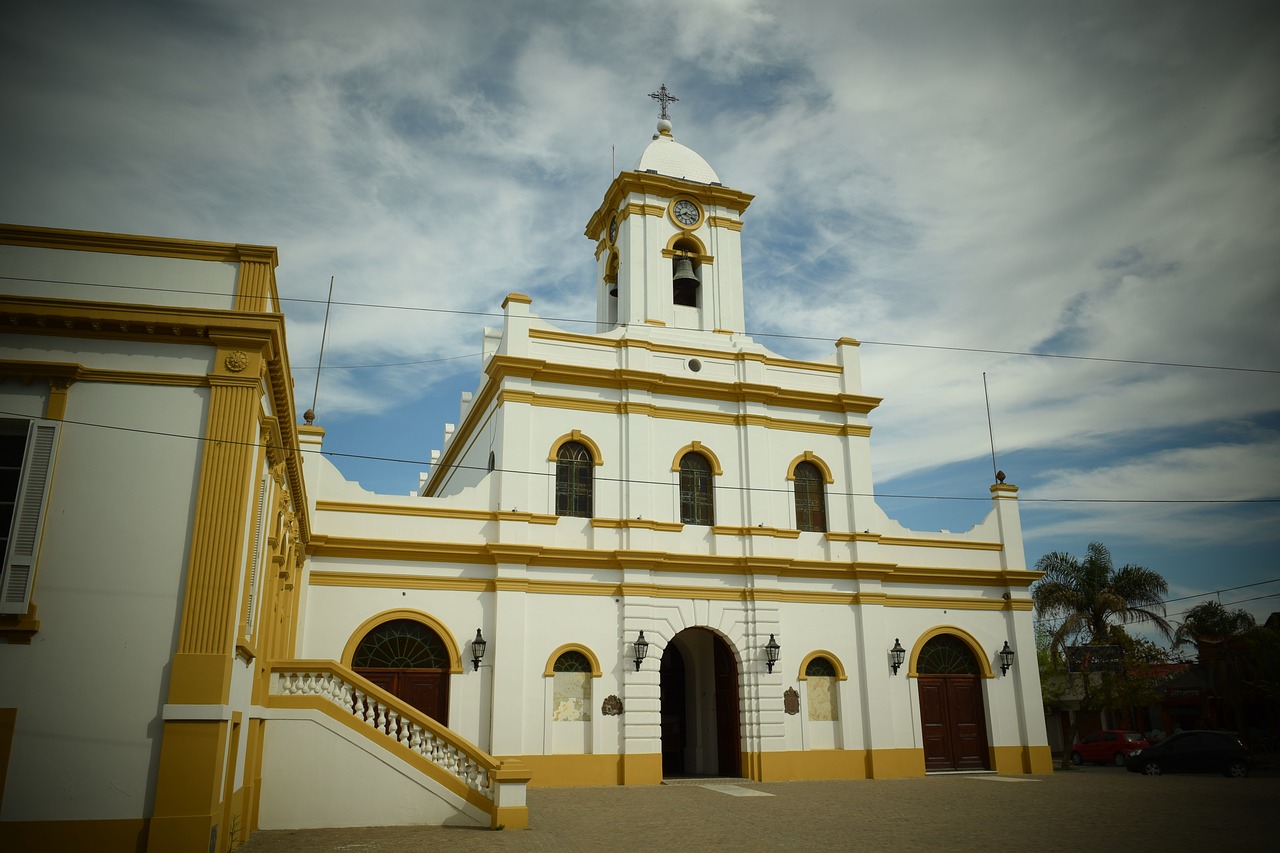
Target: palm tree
(1088,595)
(1221,638)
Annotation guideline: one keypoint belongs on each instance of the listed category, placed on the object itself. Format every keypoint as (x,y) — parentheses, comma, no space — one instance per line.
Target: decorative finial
(1000,477)
(663,97)
(309,416)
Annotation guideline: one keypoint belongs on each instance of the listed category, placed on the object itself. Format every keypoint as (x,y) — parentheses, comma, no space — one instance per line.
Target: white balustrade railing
(383,717)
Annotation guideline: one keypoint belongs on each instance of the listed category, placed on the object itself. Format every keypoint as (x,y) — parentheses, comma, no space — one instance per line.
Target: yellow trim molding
(699,448)
(450,644)
(960,634)
(572,647)
(576,435)
(810,457)
(841,675)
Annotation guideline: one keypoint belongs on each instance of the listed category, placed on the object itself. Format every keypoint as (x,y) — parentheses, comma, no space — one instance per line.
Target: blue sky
(961,180)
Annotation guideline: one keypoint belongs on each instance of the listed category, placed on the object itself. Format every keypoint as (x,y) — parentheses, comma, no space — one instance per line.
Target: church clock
(685,213)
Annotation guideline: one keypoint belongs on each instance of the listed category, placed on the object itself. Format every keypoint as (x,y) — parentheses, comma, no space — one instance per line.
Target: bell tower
(669,242)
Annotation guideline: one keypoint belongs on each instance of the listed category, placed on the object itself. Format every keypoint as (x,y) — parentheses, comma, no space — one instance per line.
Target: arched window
(401,644)
(820,682)
(573,480)
(696,506)
(571,699)
(811,501)
(947,654)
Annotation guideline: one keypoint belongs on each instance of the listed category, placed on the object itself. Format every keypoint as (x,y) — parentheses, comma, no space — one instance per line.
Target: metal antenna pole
(995,472)
(323,334)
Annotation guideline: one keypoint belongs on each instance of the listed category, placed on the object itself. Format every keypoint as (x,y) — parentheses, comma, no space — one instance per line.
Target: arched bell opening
(686,281)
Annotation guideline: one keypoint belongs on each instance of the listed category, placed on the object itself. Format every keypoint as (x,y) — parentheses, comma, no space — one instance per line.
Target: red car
(1107,747)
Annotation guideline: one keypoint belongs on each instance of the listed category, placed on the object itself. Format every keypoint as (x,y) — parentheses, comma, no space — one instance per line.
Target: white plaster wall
(109,277)
(90,687)
(127,356)
(318,773)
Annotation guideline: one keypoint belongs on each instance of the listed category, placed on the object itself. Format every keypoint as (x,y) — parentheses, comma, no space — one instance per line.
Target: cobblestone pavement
(1091,808)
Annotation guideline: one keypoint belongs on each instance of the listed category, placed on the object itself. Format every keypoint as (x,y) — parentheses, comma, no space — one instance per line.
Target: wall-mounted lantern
(1006,658)
(897,655)
(771,652)
(642,649)
(478,645)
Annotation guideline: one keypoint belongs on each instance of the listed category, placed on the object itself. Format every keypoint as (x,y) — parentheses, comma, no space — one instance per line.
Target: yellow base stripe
(101,836)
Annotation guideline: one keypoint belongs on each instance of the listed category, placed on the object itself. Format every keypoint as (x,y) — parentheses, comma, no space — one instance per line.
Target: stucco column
(641,689)
(511,667)
(193,750)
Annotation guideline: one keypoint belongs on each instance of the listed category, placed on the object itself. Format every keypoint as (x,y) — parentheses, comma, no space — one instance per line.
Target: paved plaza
(1091,808)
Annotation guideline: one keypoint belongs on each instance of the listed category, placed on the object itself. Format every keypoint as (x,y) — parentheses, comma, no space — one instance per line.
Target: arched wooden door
(410,661)
(951,711)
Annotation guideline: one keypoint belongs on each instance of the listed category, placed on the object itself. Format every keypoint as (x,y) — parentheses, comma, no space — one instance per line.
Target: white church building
(645,553)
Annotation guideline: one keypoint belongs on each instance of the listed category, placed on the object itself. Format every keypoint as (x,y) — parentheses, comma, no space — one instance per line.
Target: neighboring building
(268,645)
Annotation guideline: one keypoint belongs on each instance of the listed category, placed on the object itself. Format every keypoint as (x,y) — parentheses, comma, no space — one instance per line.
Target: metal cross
(663,97)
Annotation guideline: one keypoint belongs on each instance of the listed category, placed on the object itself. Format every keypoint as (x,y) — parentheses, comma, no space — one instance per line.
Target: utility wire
(666,483)
(460,312)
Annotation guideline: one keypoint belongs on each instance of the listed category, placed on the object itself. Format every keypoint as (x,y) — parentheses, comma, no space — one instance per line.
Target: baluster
(357,703)
(344,694)
(380,722)
(393,725)
(406,731)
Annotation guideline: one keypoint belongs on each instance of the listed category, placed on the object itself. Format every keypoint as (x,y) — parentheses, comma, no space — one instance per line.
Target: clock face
(685,212)
(613,230)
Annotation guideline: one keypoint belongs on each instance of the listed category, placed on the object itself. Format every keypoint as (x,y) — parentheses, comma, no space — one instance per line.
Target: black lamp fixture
(897,655)
(771,652)
(1006,658)
(478,645)
(642,649)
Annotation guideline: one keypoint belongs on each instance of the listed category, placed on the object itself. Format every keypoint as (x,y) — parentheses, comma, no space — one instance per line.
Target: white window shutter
(28,517)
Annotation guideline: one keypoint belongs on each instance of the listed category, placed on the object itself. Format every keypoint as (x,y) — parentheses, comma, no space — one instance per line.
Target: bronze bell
(684,272)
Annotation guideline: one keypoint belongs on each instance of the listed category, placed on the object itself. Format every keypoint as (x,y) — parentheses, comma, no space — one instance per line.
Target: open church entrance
(699,678)
(951,712)
(410,661)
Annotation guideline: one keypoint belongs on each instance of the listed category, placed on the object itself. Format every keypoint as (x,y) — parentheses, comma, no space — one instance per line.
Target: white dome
(668,157)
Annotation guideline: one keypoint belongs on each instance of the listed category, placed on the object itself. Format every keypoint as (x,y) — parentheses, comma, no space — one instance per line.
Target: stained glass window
(811,503)
(695,490)
(573,480)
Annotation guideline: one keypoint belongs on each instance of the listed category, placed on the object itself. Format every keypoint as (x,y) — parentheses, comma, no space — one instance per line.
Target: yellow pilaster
(189,806)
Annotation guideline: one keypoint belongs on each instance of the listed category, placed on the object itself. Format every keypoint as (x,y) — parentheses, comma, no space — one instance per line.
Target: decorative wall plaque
(236,361)
(791,701)
(612,706)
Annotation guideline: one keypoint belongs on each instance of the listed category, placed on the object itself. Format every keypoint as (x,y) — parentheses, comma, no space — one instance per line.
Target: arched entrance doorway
(409,660)
(699,683)
(951,712)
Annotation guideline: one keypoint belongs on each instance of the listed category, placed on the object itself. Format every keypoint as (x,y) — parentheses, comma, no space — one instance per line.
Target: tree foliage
(1088,595)
(1090,600)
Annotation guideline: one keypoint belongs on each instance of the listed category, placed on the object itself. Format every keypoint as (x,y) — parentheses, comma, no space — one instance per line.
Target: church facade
(644,553)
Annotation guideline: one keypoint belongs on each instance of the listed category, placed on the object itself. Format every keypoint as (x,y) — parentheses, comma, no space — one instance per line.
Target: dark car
(1110,746)
(1193,752)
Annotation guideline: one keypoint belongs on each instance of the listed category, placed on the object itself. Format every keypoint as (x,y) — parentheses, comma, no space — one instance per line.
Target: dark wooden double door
(954,725)
(426,690)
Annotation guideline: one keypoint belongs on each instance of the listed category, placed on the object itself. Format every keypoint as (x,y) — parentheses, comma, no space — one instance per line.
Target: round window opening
(695,365)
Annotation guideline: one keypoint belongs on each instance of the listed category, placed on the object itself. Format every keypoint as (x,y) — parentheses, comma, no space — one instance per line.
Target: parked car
(1194,752)
(1107,747)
